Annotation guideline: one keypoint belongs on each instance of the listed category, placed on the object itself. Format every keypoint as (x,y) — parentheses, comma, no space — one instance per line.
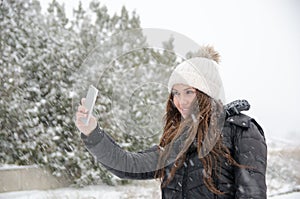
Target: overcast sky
(259,43)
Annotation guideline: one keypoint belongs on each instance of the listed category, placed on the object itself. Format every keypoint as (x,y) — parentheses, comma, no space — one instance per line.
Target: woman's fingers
(82,109)
(82,101)
(81,115)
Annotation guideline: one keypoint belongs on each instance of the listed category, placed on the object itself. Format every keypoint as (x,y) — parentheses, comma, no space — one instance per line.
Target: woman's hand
(81,113)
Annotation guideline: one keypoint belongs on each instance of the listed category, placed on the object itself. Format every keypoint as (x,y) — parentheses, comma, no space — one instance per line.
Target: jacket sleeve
(124,164)
(251,152)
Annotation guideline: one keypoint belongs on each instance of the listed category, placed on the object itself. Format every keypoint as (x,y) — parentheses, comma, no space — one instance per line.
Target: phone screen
(90,102)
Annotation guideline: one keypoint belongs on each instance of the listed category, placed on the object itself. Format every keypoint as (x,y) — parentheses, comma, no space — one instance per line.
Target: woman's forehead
(182,87)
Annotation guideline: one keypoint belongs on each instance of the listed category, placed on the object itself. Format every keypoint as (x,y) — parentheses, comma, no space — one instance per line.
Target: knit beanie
(200,72)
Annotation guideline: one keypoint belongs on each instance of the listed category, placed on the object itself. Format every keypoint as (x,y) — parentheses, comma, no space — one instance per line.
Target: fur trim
(208,52)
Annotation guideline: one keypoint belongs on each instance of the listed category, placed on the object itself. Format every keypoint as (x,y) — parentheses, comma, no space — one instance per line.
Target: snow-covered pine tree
(45,56)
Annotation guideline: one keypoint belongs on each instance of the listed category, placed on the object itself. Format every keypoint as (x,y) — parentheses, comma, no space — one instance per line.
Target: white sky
(259,43)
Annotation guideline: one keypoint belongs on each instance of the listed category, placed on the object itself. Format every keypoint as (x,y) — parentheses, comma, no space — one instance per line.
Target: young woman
(207,150)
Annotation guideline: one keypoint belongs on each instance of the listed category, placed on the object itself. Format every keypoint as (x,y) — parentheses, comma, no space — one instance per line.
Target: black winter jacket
(241,134)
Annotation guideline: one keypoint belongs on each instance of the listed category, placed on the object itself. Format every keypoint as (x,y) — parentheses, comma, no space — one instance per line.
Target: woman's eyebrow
(188,88)
(173,89)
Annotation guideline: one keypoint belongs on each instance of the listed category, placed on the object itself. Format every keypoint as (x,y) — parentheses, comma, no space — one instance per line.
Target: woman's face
(183,97)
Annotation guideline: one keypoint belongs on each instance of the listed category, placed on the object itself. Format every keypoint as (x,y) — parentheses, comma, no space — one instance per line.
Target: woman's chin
(184,115)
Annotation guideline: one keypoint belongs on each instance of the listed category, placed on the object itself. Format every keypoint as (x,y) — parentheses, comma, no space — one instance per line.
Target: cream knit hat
(201,73)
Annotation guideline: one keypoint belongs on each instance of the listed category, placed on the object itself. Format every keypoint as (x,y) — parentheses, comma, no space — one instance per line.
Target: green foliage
(42,57)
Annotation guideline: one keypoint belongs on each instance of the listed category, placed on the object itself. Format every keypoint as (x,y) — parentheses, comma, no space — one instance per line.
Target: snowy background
(283,180)
(142,191)
(259,45)
(48,52)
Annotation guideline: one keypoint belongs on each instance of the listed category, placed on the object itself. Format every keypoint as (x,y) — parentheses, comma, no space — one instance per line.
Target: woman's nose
(182,100)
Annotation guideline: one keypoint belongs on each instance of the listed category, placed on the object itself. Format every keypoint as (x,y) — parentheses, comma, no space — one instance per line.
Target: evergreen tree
(48,61)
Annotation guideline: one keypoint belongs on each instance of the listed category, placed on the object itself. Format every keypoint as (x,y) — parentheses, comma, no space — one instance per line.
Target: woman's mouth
(185,111)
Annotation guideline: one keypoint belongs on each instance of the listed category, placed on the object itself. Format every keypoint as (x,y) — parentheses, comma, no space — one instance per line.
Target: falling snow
(41,68)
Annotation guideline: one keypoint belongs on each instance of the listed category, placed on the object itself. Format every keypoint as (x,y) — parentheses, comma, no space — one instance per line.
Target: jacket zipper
(185,177)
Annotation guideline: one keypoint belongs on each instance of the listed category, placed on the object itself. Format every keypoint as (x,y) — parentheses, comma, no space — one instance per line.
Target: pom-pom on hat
(200,72)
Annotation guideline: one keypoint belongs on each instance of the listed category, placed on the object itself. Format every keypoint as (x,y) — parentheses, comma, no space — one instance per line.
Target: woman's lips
(185,110)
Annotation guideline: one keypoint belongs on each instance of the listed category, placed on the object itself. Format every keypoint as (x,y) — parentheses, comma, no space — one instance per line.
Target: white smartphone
(90,102)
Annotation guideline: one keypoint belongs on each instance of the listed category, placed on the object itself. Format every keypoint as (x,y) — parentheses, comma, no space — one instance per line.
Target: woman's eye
(175,93)
(189,92)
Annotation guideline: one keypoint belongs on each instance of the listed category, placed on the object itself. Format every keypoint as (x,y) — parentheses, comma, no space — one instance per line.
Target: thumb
(83,101)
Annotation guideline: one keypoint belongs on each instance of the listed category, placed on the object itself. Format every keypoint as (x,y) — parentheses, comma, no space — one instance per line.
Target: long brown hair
(202,127)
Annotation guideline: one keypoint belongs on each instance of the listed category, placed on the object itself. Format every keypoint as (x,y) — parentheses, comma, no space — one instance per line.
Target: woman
(206,150)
